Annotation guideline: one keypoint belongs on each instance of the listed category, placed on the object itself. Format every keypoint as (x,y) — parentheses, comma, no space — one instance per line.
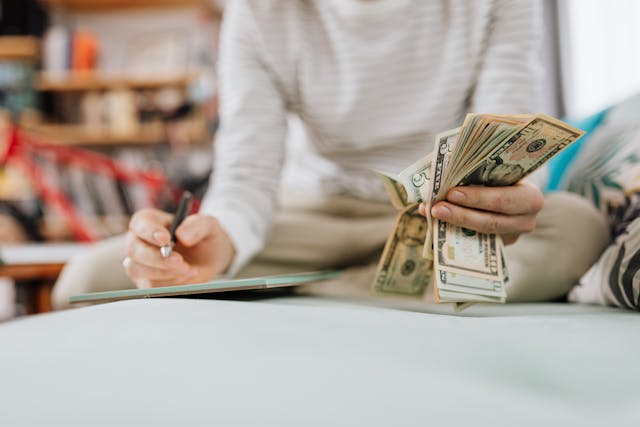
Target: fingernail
(193,272)
(456,196)
(188,235)
(441,212)
(422,209)
(157,236)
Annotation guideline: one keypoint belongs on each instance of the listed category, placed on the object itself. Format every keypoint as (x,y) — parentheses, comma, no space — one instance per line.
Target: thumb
(196,228)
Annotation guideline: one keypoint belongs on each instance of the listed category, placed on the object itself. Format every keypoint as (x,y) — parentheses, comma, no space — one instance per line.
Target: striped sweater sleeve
(249,147)
(510,76)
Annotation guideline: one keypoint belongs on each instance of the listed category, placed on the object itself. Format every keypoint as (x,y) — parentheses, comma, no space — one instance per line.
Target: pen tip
(165,251)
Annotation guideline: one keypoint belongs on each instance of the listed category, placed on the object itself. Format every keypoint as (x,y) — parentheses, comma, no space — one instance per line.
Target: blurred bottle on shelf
(55,52)
(84,51)
(121,112)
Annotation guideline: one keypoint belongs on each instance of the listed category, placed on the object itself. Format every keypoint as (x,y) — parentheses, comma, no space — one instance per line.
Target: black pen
(183,210)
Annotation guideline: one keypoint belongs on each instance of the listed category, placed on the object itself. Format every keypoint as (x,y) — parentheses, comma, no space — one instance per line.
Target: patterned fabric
(615,278)
(607,169)
(608,174)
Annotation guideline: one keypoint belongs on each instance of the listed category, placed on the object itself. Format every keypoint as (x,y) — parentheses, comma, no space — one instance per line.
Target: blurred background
(109,106)
(591,54)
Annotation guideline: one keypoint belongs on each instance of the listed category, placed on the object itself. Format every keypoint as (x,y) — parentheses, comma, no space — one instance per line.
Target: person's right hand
(202,251)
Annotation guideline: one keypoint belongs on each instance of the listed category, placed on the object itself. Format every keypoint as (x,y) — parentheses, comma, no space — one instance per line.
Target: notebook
(216,286)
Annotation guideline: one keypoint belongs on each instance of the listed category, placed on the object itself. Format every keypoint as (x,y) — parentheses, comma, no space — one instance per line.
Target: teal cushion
(560,163)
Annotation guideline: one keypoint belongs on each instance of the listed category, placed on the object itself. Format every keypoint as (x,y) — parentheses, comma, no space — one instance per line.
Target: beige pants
(343,232)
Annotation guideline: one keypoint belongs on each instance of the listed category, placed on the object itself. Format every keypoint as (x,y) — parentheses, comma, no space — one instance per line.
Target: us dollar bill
(401,270)
(520,155)
(395,190)
(445,142)
(443,148)
(415,179)
(468,252)
(456,282)
(455,296)
(465,291)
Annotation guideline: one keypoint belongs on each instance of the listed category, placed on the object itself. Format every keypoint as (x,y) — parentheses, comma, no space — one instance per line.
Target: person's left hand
(508,211)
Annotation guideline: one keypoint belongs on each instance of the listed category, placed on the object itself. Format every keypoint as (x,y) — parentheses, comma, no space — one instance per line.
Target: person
(359,85)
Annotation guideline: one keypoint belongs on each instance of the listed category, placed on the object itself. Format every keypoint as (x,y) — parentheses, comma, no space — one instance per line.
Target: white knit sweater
(372,82)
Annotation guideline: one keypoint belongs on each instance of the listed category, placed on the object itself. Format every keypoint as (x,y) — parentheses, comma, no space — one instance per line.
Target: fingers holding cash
(508,211)
(483,221)
(470,190)
(510,238)
(522,198)
(504,211)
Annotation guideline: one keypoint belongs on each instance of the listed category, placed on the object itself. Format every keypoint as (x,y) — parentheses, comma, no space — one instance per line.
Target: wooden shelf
(18,47)
(92,81)
(31,271)
(147,133)
(102,5)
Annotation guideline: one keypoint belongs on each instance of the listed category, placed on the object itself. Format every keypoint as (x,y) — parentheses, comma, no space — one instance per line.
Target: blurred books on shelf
(14,185)
(116,112)
(54,228)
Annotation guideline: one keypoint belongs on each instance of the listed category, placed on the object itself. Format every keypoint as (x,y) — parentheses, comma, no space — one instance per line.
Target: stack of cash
(464,265)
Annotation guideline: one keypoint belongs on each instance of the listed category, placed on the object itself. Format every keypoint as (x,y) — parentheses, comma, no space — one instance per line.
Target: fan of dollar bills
(464,265)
